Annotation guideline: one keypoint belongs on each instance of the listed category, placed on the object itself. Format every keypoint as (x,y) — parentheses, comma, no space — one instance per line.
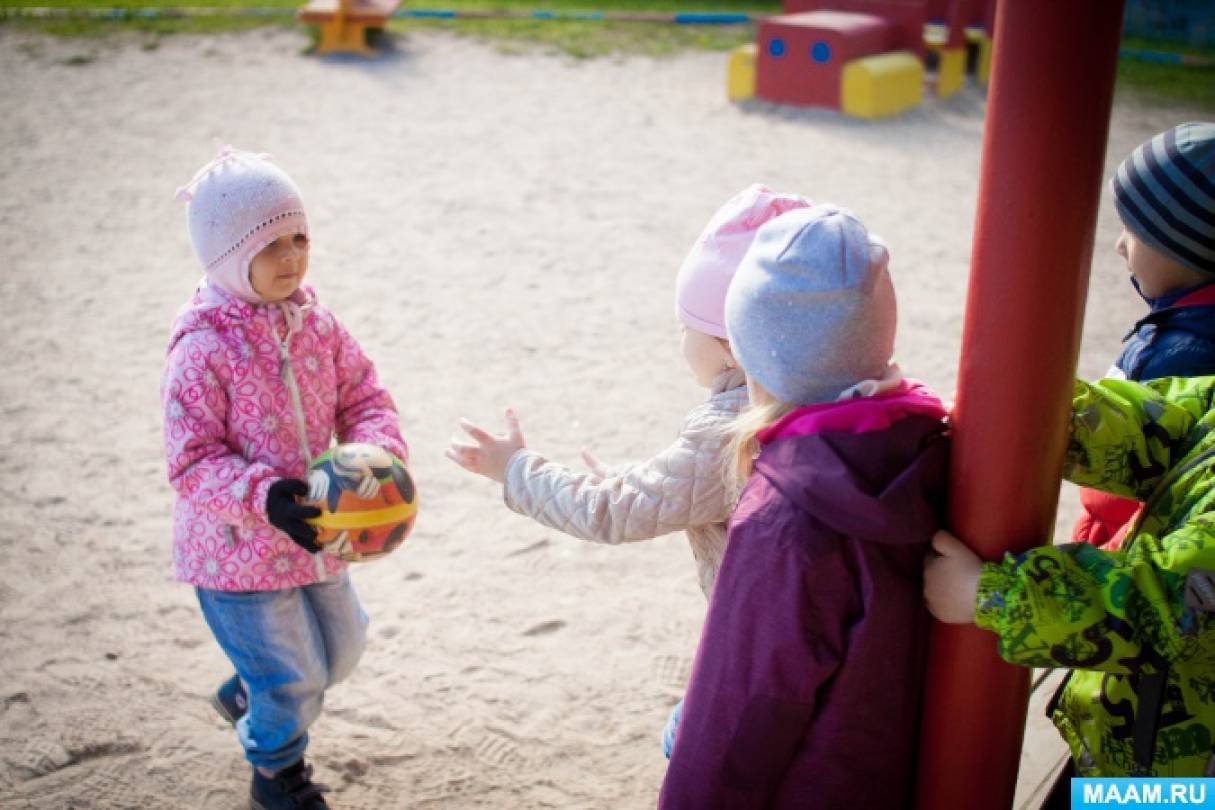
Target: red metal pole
(1039,184)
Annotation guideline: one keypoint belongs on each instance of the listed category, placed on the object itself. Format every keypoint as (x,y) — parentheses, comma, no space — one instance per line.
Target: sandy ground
(496,229)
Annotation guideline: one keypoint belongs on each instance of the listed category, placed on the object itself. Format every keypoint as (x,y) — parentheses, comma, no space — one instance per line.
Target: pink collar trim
(908,398)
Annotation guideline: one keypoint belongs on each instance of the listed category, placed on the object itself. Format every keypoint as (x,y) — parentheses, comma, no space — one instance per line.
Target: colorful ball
(367,500)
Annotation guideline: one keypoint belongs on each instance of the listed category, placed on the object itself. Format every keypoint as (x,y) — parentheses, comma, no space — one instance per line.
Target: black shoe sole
(223,712)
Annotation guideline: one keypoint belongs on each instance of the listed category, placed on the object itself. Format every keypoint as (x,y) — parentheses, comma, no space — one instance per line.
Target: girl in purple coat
(806,687)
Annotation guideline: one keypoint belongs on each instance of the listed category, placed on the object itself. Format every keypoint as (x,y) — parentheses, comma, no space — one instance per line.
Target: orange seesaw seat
(344,23)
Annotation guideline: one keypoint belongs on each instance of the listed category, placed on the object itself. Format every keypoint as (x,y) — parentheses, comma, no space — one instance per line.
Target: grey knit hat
(1165,194)
(811,311)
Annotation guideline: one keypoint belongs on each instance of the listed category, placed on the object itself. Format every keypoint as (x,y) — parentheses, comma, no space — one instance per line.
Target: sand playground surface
(496,229)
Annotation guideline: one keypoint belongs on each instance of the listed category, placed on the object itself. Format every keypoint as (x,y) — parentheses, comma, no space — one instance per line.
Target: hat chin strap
(230,278)
(292,307)
(292,310)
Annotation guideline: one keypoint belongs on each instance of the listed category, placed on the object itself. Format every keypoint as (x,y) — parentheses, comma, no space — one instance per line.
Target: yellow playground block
(951,71)
(881,85)
(978,38)
(740,73)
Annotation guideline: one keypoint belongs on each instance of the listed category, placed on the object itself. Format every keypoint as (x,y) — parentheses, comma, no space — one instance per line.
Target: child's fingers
(463,456)
(946,544)
(513,431)
(593,464)
(481,436)
(463,448)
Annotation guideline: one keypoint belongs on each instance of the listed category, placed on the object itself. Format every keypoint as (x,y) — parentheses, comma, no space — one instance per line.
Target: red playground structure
(1040,180)
(867,58)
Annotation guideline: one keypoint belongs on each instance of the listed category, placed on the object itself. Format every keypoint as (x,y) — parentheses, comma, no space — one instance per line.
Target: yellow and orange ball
(367,500)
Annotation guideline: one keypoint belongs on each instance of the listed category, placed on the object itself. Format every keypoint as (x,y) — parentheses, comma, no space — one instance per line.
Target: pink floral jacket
(238,381)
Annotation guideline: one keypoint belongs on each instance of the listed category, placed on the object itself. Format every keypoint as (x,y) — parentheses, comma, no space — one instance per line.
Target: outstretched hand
(598,469)
(951,580)
(490,453)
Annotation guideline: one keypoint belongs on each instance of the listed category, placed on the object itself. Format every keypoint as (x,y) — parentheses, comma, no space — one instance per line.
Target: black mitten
(285,514)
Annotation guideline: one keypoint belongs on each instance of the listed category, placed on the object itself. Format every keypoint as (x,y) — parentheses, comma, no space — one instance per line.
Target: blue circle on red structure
(776,47)
(820,52)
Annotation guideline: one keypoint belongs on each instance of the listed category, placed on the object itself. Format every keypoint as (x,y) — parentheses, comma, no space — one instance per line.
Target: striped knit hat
(1165,194)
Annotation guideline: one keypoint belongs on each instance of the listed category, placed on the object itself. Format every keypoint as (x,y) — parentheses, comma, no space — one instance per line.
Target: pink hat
(238,204)
(700,289)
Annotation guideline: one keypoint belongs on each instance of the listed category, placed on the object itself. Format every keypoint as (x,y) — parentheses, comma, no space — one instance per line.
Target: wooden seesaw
(344,24)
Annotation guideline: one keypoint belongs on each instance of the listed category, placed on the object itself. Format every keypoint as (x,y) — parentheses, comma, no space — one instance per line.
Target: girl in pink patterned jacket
(258,380)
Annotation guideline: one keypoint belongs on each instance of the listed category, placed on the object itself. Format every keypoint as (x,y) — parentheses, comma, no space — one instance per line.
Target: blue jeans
(668,733)
(288,647)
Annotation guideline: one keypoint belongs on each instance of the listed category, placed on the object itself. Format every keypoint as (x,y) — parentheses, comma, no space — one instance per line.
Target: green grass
(579,38)
(1149,82)
(587,39)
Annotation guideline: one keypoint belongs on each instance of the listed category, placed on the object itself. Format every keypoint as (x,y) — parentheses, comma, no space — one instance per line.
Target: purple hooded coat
(806,688)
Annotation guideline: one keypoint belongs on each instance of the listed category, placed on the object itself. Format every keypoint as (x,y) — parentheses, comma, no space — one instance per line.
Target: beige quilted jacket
(680,488)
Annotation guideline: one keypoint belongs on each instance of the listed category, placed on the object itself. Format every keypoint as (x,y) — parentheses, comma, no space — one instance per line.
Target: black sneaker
(291,788)
(230,700)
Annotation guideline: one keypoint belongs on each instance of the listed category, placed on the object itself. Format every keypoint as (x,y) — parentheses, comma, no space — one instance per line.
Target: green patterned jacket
(1142,615)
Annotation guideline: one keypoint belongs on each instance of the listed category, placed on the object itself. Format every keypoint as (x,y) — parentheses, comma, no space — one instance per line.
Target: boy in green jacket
(1135,626)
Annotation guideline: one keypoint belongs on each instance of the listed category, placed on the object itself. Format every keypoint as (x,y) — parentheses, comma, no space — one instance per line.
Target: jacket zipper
(297,405)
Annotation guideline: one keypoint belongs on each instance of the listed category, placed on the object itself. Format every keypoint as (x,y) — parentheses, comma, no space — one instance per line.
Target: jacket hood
(883,486)
(211,308)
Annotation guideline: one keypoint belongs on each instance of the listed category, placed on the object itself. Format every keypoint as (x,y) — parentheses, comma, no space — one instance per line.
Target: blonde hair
(741,445)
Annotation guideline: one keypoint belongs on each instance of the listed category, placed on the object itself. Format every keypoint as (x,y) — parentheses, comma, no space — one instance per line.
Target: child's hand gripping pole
(490,453)
(951,580)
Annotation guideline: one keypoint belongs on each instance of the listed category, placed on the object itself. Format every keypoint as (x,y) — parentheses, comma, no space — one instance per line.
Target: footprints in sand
(42,757)
(493,747)
(39,758)
(52,774)
(447,785)
(672,671)
(539,559)
(500,750)
(14,699)
(534,547)
(544,628)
